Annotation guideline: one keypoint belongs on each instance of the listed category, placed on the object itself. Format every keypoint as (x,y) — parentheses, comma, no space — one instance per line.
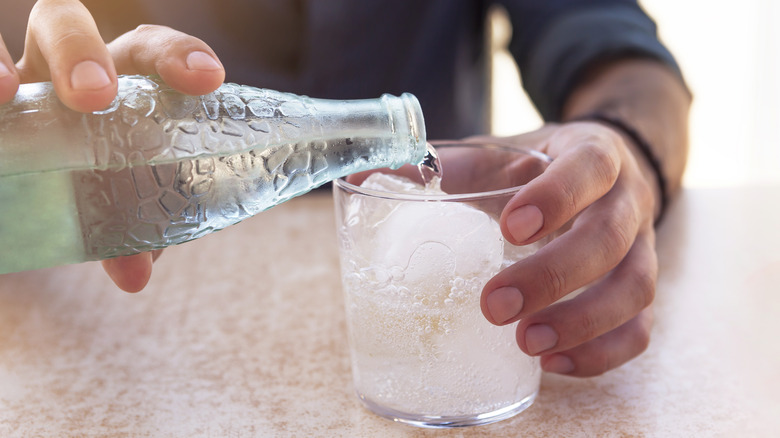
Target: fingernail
(504,304)
(524,222)
(89,75)
(559,364)
(540,337)
(202,61)
(4,71)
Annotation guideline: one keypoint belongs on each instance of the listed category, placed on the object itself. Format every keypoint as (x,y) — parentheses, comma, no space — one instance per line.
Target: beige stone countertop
(242,334)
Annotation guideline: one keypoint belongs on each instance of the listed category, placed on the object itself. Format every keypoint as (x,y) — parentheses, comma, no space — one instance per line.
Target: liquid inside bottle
(138,200)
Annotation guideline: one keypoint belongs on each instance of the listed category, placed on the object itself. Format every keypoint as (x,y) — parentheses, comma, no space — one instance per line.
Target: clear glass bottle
(159,168)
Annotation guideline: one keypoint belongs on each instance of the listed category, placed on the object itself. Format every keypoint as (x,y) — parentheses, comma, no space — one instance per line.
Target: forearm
(648,96)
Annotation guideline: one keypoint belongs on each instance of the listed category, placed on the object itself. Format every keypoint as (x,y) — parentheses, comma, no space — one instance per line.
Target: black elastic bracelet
(644,148)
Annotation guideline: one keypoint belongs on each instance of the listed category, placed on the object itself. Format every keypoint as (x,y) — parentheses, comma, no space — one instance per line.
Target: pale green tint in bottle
(159,168)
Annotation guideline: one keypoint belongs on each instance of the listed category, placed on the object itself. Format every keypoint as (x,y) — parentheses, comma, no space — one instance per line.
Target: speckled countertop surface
(242,334)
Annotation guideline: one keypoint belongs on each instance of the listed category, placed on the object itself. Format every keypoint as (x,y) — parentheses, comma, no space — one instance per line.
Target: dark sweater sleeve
(553,41)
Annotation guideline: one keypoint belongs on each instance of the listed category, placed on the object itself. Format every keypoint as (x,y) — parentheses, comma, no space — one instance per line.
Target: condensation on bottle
(159,168)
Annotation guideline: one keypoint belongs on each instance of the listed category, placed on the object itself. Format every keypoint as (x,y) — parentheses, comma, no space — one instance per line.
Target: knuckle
(567,197)
(146,29)
(148,42)
(160,40)
(600,162)
(553,282)
(634,340)
(604,164)
(600,363)
(642,340)
(72,37)
(645,323)
(151,35)
(588,327)
(644,285)
(618,234)
(646,197)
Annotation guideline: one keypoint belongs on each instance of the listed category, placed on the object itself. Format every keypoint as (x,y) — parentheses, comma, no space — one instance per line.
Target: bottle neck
(149,123)
(407,121)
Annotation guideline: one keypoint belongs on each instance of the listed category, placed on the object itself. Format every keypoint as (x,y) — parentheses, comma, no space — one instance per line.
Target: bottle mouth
(416,123)
(407,118)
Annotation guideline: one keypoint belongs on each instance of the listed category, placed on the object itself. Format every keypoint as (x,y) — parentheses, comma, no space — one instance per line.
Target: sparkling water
(70,216)
(413,274)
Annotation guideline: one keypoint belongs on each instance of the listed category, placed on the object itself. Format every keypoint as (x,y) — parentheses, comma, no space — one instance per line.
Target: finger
(63,45)
(182,61)
(610,303)
(130,273)
(586,165)
(598,240)
(9,78)
(606,352)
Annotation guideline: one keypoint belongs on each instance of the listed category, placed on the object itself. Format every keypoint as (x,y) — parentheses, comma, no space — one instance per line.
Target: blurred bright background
(730,55)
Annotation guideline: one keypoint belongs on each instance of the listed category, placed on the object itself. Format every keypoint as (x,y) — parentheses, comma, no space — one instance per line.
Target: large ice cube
(392,183)
(365,212)
(430,241)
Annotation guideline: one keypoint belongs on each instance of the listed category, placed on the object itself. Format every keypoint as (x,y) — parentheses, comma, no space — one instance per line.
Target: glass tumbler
(413,264)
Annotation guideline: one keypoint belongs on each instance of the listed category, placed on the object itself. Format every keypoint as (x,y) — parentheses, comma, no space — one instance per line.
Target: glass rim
(494,144)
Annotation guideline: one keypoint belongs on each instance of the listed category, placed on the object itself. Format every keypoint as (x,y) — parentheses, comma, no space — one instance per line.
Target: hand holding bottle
(63,46)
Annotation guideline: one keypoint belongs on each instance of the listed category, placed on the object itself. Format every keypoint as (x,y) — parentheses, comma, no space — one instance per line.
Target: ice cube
(444,232)
(430,240)
(364,212)
(391,183)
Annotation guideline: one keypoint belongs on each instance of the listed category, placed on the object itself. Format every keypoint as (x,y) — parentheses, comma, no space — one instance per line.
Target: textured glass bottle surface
(160,168)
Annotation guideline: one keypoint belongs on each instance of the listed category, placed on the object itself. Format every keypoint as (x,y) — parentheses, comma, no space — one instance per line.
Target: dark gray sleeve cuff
(574,40)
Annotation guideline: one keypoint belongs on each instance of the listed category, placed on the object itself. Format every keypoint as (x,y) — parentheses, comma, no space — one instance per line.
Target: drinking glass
(413,264)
